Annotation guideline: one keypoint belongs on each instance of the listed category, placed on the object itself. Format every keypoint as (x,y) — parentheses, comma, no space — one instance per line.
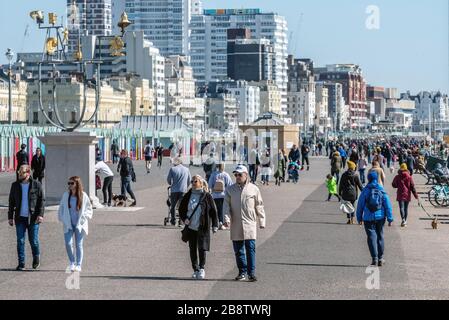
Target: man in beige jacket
(243,209)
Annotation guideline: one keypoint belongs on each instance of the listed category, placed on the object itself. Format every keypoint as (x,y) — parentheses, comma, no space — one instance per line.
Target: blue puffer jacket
(363,213)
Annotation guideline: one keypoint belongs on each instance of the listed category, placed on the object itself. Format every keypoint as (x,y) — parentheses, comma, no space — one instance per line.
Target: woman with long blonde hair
(199,213)
(74,211)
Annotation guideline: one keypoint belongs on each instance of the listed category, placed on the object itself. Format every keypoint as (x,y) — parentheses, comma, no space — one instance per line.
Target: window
(73,117)
(35,117)
(50,115)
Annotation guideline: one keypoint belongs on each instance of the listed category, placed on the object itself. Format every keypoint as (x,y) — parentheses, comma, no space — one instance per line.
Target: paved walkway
(306,252)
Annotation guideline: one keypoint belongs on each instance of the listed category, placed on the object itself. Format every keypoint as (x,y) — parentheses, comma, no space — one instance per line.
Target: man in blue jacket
(373,208)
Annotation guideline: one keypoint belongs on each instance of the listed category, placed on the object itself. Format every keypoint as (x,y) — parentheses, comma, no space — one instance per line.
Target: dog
(119,200)
(435,224)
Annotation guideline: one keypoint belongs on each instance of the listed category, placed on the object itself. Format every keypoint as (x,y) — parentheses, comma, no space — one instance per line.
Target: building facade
(165,23)
(350,76)
(19,101)
(90,17)
(208,42)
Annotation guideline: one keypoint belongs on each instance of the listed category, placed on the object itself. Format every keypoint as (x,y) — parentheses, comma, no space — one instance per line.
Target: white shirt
(103,169)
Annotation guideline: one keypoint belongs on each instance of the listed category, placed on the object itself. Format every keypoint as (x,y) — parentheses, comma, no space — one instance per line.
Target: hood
(404,173)
(373,177)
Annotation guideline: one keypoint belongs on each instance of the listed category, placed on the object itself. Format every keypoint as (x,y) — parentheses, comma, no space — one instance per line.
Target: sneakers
(20,267)
(195,275)
(72,267)
(201,274)
(374,263)
(252,279)
(133,204)
(36,263)
(349,221)
(381,262)
(78,269)
(241,277)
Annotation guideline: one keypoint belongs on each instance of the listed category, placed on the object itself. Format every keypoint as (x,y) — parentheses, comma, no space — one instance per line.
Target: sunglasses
(71,183)
(238,175)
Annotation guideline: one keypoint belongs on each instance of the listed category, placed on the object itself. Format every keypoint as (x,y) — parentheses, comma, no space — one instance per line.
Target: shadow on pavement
(154,278)
(315,265)
(327,223)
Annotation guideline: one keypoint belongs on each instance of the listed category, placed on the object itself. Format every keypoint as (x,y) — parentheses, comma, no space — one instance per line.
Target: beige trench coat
(243,208)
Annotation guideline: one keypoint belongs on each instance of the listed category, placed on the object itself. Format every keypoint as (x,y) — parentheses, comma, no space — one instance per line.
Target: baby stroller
(293,172)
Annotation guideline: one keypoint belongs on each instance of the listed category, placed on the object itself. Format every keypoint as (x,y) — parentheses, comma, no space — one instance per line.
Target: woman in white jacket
(74,211)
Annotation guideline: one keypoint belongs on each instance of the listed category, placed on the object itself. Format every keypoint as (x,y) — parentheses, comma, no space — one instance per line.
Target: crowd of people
(213,202)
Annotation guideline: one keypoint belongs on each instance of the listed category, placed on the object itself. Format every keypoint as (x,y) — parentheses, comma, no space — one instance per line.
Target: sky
(409,51)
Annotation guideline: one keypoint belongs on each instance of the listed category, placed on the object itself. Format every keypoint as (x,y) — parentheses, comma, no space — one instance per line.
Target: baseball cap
(240,169)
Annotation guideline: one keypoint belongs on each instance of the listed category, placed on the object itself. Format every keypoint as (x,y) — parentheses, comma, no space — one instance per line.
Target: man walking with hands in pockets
(243,209)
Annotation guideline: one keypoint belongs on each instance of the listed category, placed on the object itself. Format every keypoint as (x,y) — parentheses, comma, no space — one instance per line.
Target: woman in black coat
(198,211)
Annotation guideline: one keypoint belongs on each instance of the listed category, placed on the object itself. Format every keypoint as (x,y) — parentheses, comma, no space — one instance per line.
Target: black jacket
(294,155)
(35,201)
(209,214)
(38,166)
(349,183)
(125,167)
(22,158)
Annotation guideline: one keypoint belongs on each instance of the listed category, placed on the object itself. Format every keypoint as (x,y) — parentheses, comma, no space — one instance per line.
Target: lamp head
(9,54)
(124,22)
(38,16)
(52,18)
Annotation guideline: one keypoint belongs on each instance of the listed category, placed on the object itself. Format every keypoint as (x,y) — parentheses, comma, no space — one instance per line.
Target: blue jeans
(362,176)
(126,187)
(33,236)
(253,172)
(403,207)
(79,239)
(375,232)
(245,254)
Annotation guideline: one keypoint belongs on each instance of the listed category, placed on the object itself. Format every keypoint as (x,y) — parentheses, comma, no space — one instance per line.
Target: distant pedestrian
(160,155)
(243,210)
(115,152)
(336,165)
(380,172)
(266,171)
(149,150)
(305,151)
(102,169)
(179,179)
(21,159)
(126,169)
(254,163)
(362,164)
(26,212)
(373,208)
(209,166)
(218,182)
(74,212)
(198,211)
(331,184)
(279,175)
(38,165)
(349,186)
(406,186)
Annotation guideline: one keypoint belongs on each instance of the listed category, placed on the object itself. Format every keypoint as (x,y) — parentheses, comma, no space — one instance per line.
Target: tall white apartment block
(89,17)
(164,22)
(208,42)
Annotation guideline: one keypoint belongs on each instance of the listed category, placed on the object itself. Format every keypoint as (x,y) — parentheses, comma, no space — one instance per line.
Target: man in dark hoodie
(373,208)
(349,183)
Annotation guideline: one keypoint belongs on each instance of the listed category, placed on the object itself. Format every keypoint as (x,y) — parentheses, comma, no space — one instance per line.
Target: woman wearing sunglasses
(74,211)
(198,211)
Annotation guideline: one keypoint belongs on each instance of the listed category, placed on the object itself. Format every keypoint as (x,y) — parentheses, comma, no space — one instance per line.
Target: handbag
(186,231)
(347,207)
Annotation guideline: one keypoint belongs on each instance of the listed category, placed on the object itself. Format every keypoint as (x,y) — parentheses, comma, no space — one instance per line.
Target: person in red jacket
(405,185)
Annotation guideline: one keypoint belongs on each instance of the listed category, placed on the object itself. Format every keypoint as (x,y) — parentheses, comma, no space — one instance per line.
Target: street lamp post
(9,56)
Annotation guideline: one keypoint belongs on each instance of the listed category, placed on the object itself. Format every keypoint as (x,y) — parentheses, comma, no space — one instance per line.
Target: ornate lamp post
(71,152)
(9,56)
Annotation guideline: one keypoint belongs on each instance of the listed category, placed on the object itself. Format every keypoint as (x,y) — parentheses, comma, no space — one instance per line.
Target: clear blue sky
(410,51)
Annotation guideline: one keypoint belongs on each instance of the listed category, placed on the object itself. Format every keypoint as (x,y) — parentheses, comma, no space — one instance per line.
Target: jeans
(126,187)
(195,251)
(107,190)
(403,207)
(219,204)
(245,254)
(115,158)
(33,237)
(159,161)
(375,232)
(175,197)
(352,215)
(79,239)
(362,176)
(253,172)
(336,174)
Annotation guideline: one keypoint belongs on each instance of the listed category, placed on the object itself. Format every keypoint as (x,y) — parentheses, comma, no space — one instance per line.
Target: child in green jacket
(331,184)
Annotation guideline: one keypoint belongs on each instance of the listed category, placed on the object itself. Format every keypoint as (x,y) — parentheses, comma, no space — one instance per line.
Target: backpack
(219,185)
(375,200)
